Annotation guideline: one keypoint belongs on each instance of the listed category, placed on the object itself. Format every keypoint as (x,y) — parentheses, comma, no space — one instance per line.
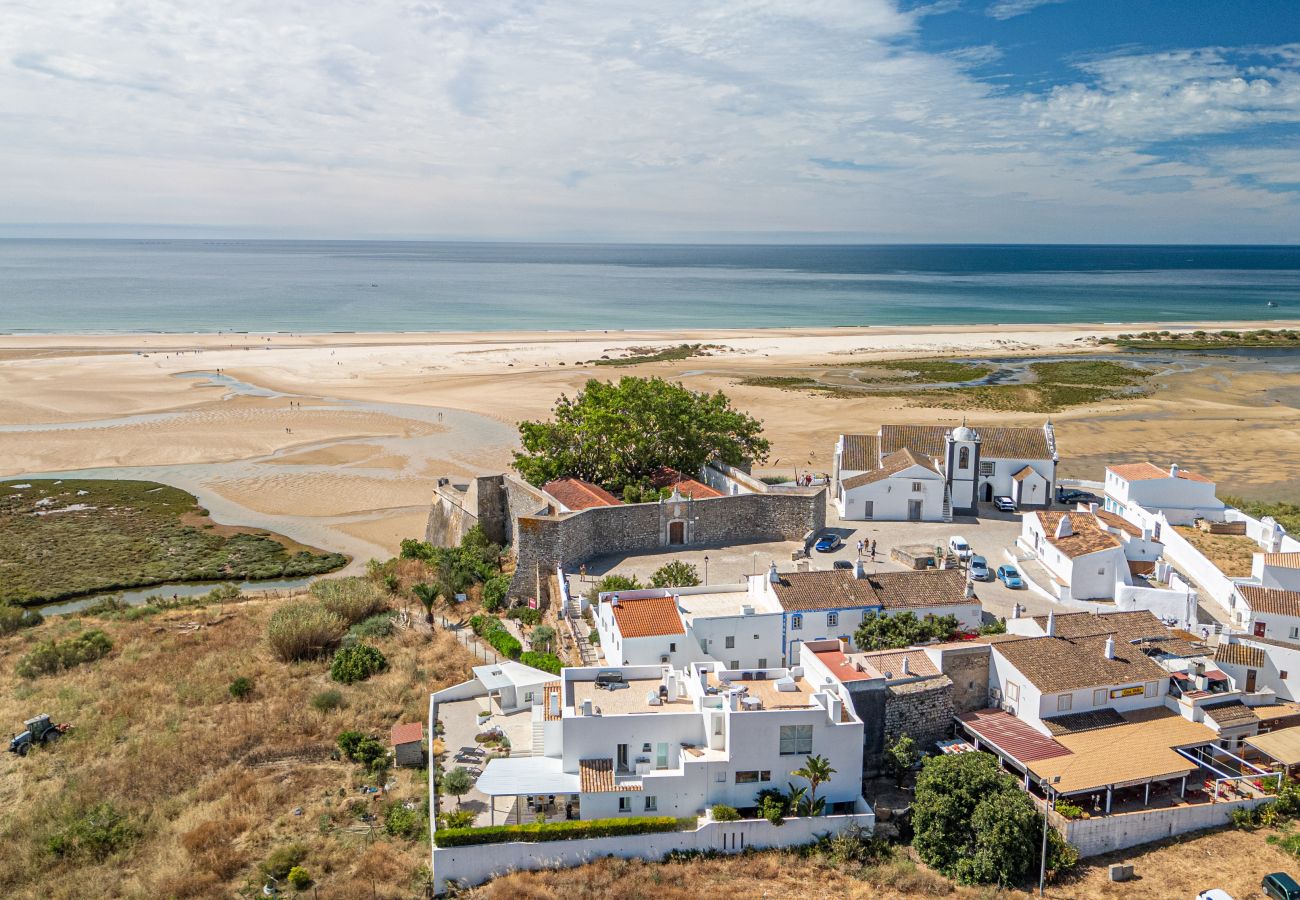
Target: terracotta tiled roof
(1126,626)
(1059,664)
(596,776)
(1145,471)
(1239,655)
(1024,473)
(578,494)
(552,689)
(648,617)
(861,452)
(890,663)
(1012,736)
(664,477)
(1270,600)
(1088,536)
(842,667)
(840,589)
(1230,713)
(1083,721)
(995,443)
(1282,560)
(1114,520)
(1278,712)
(932,587)
(891,465)
(408,733)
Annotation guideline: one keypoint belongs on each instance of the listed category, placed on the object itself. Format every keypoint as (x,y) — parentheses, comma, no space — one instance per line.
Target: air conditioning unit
(664,657)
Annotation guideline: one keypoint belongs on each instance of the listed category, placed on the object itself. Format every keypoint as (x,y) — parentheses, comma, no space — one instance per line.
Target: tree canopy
(617,433)
(880,632)
(677,573)
(975,824)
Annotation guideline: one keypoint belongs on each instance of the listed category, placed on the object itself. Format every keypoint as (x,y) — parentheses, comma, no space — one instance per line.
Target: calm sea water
(196,285)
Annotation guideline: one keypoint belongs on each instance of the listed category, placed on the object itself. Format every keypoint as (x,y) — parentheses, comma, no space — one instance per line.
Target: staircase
(539,742)
(947,503)
(578,631)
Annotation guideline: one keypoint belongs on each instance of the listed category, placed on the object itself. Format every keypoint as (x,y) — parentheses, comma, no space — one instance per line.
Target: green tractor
(40,730)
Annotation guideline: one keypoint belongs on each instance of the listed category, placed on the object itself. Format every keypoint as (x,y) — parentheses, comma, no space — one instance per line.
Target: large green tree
(617,433)
(881,632)
(974,823)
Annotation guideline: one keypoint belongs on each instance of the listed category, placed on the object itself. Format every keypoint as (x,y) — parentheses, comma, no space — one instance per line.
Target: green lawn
(67,538)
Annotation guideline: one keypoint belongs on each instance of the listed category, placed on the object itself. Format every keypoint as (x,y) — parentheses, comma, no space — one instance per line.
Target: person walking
(873,549)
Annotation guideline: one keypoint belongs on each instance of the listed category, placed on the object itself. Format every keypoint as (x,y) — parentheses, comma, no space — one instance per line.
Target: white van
(959,546)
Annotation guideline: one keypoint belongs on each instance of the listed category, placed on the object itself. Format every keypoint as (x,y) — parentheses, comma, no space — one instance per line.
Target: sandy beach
(337,439)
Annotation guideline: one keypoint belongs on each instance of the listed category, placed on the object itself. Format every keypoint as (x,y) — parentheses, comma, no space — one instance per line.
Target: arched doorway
(677,532)
(987,491)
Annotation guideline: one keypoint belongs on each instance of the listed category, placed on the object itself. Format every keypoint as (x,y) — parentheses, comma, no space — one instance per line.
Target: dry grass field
(169,787)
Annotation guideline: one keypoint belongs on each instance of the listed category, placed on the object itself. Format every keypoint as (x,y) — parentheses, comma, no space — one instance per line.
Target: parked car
(1214,894)
(828,543)
(1004,504)
(1068,495)
(1280,886)
(979,569)
(1089,498)
(960,546)
(842,564)
(1010,576)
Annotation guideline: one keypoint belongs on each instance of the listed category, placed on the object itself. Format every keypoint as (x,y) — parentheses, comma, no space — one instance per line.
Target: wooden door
(676,532)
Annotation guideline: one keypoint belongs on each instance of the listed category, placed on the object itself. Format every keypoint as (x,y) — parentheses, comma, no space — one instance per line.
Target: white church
(929,473)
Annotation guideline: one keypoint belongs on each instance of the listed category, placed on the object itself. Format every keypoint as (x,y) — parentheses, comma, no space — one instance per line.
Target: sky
(991,121)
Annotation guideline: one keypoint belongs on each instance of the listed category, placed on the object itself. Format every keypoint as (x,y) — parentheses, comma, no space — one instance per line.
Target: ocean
(341,286)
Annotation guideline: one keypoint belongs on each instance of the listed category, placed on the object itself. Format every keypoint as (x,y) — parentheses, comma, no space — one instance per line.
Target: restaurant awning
(527,775)
(1282,746)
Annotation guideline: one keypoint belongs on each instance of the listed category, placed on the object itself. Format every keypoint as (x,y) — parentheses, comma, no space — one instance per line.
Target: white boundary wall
(1119,832)
(1191,561)
(479,863)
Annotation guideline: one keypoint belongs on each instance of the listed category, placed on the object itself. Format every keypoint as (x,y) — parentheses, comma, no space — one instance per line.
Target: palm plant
(816,771)
(427,594)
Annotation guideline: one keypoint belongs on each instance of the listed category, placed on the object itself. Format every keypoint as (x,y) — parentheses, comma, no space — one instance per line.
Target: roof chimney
(1173,471)
(613,601)
(1064,528)
(1110,647)
(907,668)
(1051,623)
(1015,611)
(772,576)
(859,570)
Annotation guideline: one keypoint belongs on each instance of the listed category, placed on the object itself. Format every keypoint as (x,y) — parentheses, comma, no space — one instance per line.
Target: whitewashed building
(1277,570)
(930,473)
(1182,496)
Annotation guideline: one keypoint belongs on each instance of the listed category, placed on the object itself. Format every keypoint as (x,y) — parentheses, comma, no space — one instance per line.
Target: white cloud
(517,118)
(1009,9)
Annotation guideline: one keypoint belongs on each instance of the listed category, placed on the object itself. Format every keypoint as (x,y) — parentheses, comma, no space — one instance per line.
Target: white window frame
(988,468)
(651,803)
(730,642)
(796,622)
(1151,689)
(795,740)
(918,487)
(1012,691)
(1099,697)
(624,804)
(832,620)
(1064,702)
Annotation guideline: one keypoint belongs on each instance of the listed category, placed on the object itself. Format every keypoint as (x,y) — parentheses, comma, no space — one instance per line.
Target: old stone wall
(869,704)
(922,709)
(968,670)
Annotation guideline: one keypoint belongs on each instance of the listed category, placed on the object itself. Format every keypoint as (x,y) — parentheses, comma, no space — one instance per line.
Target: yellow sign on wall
(1125,692)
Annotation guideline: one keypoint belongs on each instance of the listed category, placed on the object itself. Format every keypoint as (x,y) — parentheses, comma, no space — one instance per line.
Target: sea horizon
(271,286)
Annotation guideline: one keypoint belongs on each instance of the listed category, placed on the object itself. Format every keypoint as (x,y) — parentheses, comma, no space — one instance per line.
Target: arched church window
(963,458)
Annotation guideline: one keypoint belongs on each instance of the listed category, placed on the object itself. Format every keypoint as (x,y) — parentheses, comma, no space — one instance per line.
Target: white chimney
(1110,648)
(907,667)
(1173,471)
(1015,611)
(772,575)
(970,589)
(1064,528)
(613,601)
(1092,508)
(859,570)
(1051,624)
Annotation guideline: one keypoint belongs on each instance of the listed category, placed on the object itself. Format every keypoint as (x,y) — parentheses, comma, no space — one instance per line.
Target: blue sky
(840,120)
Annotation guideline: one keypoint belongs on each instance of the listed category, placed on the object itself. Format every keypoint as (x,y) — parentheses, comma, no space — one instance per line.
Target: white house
(1181,495)
(760,624)
(929,472)
(1277,570)
(1267,612)
(1082,555)
(667,742)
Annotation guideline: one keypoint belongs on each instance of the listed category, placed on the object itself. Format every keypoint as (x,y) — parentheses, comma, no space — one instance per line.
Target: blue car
(979,569)
(1010,577)
(828,543)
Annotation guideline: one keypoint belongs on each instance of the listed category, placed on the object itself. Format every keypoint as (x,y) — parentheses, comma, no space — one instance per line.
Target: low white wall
(1162,603)
(1105,834)
(1192,562)
(475,865)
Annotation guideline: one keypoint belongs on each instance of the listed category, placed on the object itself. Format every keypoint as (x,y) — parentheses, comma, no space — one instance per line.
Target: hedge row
(561,831)
(490,629)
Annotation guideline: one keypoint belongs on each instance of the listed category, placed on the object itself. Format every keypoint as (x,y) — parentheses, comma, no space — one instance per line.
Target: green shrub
(456,818)
(95,833)
(405,823)
(298,878)
(525,614)
(241,687)
(547,662)
(724,813)
(283,860)
(351,599)
(326,701)
(49,657)
(361,748)
(561,831)
(357,663)
(773,810)
(504,643)
(379,625)
(677,573)
(13,618)
(479,624)
(304,630)
(494,592)
(1068,810)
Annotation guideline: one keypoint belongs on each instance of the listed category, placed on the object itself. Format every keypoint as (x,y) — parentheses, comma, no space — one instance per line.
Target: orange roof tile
(1270,600)
(577,494)
(647,617)
(1145,471)
(1087,537)
(1282,560)
(408,733)
(664,477)
(596,776)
